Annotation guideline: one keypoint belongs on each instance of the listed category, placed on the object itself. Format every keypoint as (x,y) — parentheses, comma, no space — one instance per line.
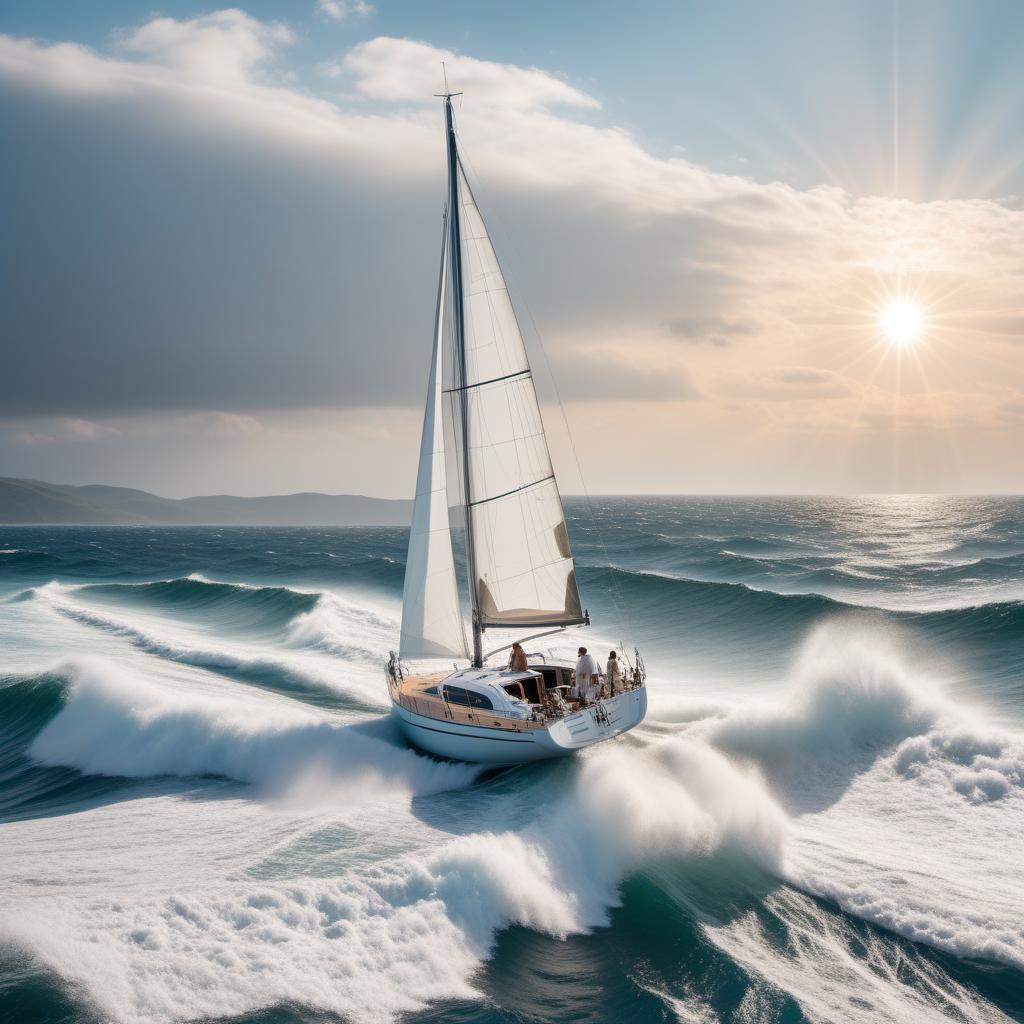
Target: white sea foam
(835,973)
(151,912)
(865,734)
(114,724)
(904,799)
(369,943)
(346,628)
(980,764)
(856,698)
(628,806)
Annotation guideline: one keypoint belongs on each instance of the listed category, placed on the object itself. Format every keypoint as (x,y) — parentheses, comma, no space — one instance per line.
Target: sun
(902,322)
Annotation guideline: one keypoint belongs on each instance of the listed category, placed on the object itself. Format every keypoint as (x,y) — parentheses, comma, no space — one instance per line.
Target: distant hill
(32,501)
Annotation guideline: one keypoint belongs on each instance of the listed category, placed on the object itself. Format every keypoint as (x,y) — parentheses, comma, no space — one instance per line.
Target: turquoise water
(205,813)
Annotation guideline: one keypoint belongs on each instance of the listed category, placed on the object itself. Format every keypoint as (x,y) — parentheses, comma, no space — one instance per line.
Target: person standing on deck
(588,680)
(517,658)
(613,675)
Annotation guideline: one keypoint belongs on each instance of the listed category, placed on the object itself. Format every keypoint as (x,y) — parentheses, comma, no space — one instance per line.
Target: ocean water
(206,814)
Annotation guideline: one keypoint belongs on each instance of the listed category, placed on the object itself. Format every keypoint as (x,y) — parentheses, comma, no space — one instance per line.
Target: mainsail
(524,568)
(431,618)
(519,564)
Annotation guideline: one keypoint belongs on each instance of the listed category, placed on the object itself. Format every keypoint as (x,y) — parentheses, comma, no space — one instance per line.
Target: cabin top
(506,692)
(491,688)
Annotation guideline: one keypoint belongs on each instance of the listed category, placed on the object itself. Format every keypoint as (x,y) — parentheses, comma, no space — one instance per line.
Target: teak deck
(409,693)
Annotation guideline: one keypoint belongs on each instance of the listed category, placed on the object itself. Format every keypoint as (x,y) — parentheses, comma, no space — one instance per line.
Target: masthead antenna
(447,94)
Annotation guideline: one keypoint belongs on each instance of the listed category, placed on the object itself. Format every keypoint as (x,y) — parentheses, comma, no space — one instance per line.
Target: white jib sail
(524,567)
(431,619)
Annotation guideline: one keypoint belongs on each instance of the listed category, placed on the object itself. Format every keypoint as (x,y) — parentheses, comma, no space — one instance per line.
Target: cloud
(226,240)
(342,10)
(61,430)
(790,383)
(621,369)
(709,330)
(224,48)
(403,70)
(227,424)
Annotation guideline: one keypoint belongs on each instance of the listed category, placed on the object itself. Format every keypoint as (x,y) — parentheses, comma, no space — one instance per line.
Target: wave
(27,703)
(851,691)
(416,927)
(112,724)
(375,942)
(796,950)
(338,686)
(862,723)
(195,595)
(346,628)
(311,619)
(14,559)
(855,697)
(661,602)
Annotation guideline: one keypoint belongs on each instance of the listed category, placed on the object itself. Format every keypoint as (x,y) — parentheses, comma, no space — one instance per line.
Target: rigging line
(515,490)
(482,383)
(617,599)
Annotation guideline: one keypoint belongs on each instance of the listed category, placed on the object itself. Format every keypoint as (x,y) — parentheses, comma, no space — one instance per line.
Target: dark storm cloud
(148,272)
(155,260)
(141,272)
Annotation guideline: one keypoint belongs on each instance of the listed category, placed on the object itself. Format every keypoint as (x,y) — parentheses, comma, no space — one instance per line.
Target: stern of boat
(600,721)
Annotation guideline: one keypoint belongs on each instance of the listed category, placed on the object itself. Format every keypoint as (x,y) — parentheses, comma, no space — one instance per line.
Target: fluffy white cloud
(403,70)
(223,48)
(341,10)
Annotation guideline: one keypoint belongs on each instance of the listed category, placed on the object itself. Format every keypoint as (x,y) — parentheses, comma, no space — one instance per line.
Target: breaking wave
(113,725)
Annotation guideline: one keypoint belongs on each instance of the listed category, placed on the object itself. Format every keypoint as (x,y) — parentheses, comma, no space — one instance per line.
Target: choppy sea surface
(206,814)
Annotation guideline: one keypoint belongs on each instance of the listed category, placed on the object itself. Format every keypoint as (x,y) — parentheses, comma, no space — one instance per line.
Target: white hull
(505,746)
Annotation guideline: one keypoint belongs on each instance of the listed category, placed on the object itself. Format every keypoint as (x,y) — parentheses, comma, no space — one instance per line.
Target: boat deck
(409,691)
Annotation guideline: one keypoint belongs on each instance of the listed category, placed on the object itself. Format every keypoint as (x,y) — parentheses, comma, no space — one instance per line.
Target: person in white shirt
(613,675)
(588,679)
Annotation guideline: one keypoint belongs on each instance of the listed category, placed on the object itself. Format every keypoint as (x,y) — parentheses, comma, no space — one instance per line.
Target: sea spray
(628,807)
(343,628)
(115,725)
(852,697)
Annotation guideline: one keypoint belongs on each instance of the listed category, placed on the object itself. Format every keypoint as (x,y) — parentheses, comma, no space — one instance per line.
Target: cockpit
(517,694)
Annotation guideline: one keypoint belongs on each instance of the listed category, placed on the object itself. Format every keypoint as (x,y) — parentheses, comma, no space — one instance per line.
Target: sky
(754,247)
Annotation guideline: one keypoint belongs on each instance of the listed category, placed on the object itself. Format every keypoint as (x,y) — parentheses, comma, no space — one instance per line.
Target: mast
(458,318)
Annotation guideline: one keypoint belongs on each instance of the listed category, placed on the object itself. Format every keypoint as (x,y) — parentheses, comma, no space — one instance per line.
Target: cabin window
(431,690)
(467,698)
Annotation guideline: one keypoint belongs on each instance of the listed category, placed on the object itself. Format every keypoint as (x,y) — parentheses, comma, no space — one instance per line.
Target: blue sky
(223,229)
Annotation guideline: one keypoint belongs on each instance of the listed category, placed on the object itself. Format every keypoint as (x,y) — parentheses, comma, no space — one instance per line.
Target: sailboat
(484,453)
